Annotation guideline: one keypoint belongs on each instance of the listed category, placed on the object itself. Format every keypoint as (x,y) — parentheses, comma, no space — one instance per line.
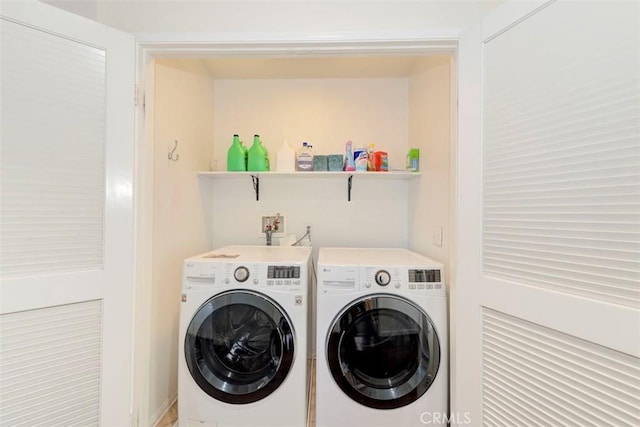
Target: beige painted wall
(430,131)
(324,112)
(183,112)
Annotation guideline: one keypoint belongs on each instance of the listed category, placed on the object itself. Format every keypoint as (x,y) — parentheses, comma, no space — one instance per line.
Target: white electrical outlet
(436,236)
(279,229)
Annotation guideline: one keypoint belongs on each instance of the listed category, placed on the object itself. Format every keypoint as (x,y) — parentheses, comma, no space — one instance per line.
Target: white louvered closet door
(66,219)
(546,297)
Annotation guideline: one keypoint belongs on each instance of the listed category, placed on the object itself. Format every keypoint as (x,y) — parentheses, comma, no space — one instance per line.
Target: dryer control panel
(381,278)
(427,276)
(401,278)
(379,270)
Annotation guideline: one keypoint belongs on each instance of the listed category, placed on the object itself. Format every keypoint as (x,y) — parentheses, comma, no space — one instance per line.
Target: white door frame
(150,47)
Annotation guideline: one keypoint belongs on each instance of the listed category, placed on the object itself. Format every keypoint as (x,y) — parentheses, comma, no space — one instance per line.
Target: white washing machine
(382,339)
(243,350)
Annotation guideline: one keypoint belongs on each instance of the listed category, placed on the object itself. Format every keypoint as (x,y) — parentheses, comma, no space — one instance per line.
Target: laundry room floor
(170,419)
(311,419)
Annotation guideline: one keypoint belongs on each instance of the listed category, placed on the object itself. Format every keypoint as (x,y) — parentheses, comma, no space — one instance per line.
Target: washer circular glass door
(239,346)
(383,351)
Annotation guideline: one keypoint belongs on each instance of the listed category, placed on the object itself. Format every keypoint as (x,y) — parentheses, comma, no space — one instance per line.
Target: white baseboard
(163,409)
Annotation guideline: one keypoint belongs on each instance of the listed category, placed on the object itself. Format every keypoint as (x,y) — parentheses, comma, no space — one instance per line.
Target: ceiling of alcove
(309,67)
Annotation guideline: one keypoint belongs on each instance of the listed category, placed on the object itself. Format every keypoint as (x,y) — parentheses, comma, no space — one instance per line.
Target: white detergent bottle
(286,160)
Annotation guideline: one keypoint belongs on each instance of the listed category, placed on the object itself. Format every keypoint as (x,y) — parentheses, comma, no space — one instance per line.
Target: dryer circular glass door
(239,346)
(383,351)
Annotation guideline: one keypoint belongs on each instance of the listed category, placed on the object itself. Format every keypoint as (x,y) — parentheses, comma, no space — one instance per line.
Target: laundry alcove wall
(395,101)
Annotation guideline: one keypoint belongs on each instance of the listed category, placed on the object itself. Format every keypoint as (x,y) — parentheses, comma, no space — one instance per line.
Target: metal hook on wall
(171,151)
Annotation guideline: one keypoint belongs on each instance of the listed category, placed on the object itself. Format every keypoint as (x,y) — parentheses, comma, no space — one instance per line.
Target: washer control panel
(284,276)
(241,274)
(269,275)
(383,278)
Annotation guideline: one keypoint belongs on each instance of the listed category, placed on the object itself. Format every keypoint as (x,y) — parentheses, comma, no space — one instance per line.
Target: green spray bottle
(236,157)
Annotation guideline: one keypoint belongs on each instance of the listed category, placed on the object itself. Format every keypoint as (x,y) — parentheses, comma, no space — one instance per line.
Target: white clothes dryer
(382,339)
(243,353)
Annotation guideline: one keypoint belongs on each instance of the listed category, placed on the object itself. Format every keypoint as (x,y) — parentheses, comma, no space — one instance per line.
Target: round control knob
(241,274)
(383,278)
(367,285)
(255,281)
(397,285)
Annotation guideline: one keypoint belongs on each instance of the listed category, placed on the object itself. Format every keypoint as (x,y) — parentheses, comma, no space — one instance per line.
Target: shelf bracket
(256,185)
(349,185)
